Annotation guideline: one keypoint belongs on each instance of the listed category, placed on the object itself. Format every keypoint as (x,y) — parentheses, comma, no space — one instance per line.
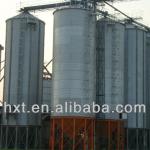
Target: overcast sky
(8,8)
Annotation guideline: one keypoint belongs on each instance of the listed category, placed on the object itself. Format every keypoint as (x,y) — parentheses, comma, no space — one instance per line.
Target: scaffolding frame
(20,137)
(109,134)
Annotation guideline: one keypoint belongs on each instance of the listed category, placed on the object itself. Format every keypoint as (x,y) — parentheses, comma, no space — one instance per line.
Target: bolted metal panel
(24,67)
(110,65)
(74,58)
(135,42)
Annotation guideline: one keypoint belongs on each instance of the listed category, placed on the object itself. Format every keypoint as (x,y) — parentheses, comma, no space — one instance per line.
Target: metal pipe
(130,18)
(1,78)
(49,62)
(47,71)
(1,69)
(49,6)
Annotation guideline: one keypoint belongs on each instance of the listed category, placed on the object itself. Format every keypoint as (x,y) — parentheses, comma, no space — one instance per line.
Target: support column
(62,133)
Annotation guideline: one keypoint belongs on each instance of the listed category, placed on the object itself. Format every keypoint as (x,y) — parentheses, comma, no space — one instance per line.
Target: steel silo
(47,91)
(74,58)
(110,65)
(135,45)
(24,67)
(147,79)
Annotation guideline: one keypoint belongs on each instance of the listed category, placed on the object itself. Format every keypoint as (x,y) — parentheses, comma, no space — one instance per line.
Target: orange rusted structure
(80,133)
(109,134)
(72,133)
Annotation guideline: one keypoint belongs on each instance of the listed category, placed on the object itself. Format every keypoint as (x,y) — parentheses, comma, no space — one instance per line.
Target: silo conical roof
(25,15)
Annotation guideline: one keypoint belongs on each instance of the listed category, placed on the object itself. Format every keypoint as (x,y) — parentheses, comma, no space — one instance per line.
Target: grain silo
(147,79)
(135,45)
(74,53)
(46,101)
(110,65)
(73,76)
(135,77)
(109,83)
(23,79)
(47,91)
(24,65)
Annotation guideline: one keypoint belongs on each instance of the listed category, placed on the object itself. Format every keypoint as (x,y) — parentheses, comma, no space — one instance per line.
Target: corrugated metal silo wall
(110,65)
(24,67)
(74,58)
(135,48)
